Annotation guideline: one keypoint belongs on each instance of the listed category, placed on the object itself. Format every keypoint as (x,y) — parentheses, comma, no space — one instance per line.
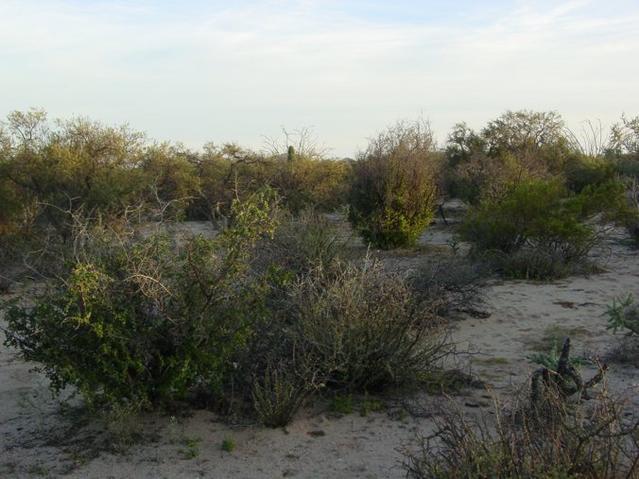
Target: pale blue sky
(200,71)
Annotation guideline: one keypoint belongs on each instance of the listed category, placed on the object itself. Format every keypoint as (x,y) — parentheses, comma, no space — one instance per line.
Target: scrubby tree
(72,165)
(516,146)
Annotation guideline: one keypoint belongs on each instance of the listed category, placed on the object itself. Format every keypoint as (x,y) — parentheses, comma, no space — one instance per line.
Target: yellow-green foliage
(516,146)
(306,182)
(76,165)
(169,175)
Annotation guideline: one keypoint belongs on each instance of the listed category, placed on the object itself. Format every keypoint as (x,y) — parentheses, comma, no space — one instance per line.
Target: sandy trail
(37,440)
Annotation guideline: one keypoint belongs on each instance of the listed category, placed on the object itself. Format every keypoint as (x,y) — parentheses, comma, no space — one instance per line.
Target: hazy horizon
(198,71)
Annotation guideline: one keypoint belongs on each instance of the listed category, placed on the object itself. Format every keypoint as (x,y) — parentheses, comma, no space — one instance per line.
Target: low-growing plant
(364,325)
(623,314)
(550,359)
(228,445)
(450,284)
(191,448)
(279,394)
(369,405)
(341,403)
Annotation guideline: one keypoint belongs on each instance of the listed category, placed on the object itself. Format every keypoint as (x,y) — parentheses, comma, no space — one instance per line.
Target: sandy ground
(39,438)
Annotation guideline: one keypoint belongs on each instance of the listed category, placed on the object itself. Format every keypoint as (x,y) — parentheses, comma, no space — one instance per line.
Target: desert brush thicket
(138,319)
(272,310)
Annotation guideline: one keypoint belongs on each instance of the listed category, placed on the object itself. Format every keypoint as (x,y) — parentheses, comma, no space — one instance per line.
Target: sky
(197,71)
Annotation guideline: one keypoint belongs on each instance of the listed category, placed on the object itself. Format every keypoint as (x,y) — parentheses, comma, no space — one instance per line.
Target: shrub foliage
(394,190)
(539,229)
(141,320)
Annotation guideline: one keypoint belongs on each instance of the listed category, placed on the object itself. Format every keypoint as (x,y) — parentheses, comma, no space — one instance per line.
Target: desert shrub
(342,326)
(170,177)
(143,321)
(624,137)
(628,167)
(450,284)
(302,242)
(517,146)
(463,146)
(303,183)
(632,219)
(581,171)
(540,230)
(230,172)
(227,173)
(77,164)
(138,319)
(581,442)
(542,434)
(394,190)
(279,394)
(363,325)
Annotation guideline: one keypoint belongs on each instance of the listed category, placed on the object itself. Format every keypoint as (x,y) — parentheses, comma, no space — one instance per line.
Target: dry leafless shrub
(547,431)
(301,242)
(450,284)
(366,324)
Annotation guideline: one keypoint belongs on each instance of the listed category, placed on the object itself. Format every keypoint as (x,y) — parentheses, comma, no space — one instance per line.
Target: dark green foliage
(582,171)
(538,229)
(341,404)
(143,321)
(393,191)
(228,445)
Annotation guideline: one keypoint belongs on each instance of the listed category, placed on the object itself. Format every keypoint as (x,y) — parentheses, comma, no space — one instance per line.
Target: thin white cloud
(239,72)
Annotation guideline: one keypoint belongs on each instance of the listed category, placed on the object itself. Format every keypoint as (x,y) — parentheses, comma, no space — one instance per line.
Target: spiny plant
(623,314)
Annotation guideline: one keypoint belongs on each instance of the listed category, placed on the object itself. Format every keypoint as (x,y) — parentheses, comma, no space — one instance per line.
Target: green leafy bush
(539,230)
(144,321)
(582,171)
(140,320)
(393,192)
